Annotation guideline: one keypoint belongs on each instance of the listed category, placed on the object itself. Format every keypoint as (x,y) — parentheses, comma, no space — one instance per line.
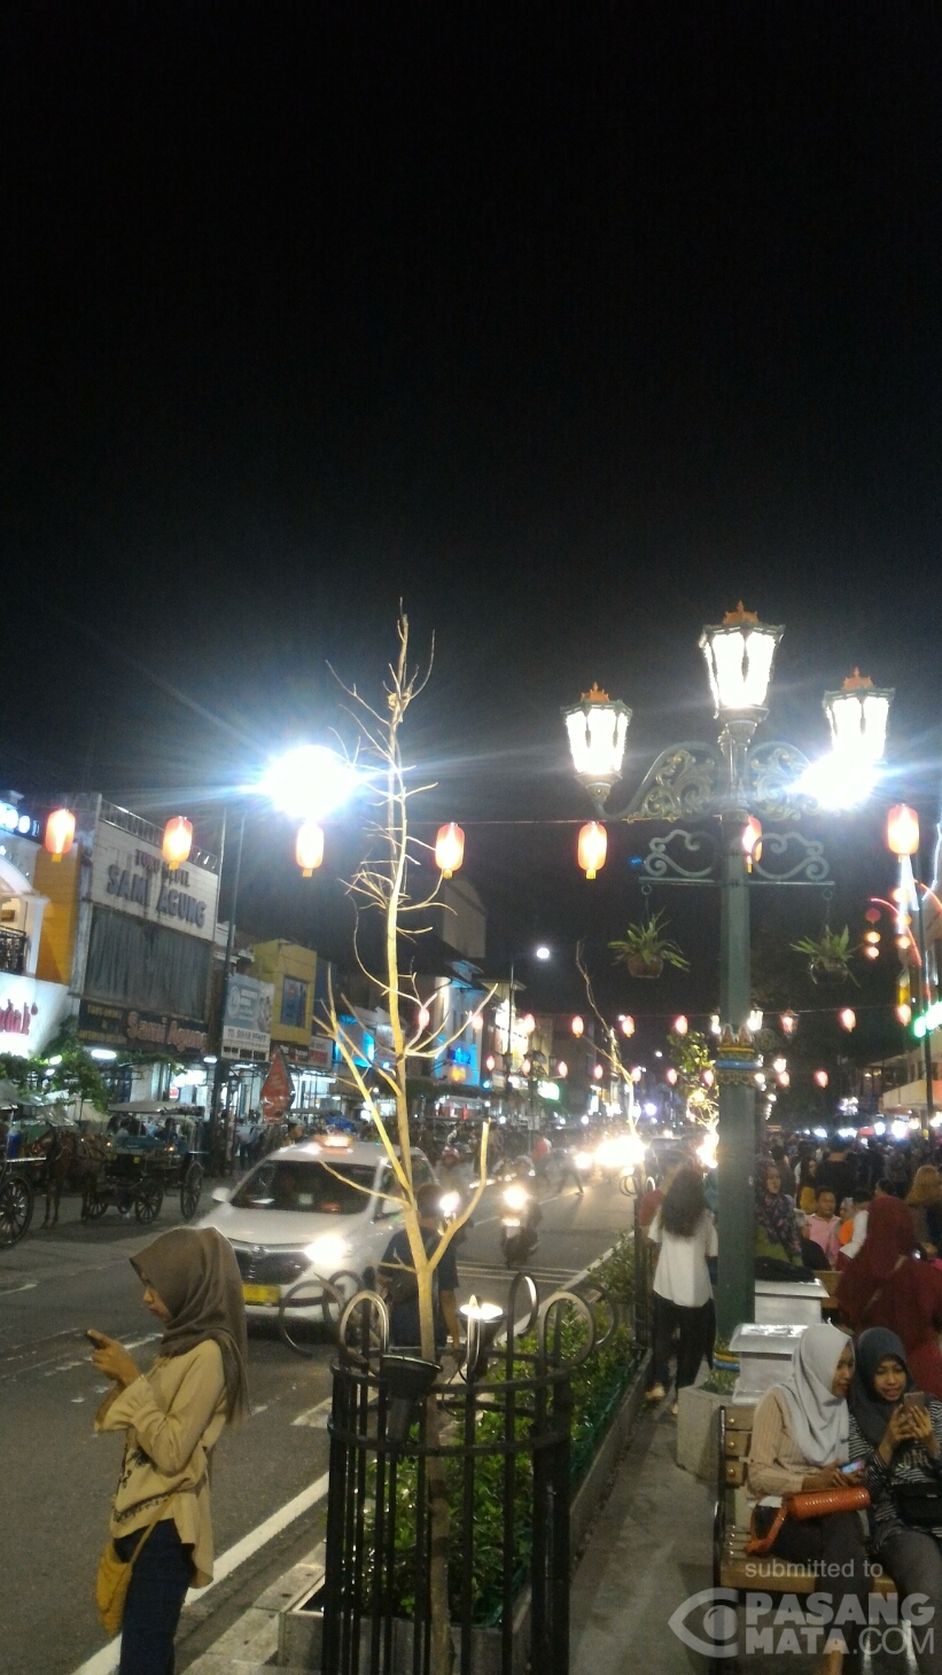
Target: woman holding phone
(171,1417)
(799,1444)
(895,1438)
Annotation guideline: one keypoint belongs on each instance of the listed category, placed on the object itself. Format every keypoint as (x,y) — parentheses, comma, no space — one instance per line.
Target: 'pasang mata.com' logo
(713,1631)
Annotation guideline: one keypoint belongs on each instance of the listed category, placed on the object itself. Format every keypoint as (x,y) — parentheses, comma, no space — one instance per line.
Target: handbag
(817,1503)
(114,1577)
(919,1505)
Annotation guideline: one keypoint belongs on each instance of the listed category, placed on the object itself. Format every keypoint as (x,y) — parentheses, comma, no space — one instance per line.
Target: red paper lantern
(847,1018)
(822,1078)
(60,833)
(449,848)
(627,1025)
(309,847)
(902,830)
(177,841)
(578,1025)
(592,848)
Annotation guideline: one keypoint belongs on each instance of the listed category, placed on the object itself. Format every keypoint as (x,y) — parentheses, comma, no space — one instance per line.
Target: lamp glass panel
(859,723)
(740,662)
(597,740)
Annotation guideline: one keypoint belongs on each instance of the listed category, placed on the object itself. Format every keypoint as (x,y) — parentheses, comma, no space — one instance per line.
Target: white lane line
(315,1417)
(27,1285)
(105,1662)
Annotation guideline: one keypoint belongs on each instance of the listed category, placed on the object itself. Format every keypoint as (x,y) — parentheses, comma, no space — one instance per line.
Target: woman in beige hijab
(172,1416)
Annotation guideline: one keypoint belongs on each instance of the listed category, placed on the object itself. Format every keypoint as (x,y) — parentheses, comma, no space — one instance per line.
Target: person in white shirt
(686,1235)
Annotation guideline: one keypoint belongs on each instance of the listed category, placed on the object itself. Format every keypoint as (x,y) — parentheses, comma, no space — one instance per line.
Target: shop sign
(30,1014)
(125,1026)
(130,875)
(321,1056)
(246,1030)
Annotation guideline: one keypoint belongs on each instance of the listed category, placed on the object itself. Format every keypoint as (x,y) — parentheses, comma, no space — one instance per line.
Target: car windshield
(307,1186)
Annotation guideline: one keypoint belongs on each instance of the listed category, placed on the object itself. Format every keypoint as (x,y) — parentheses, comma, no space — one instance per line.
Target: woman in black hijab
(895,1434)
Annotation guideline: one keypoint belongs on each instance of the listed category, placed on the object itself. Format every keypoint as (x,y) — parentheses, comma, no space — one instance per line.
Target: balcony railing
(13,952)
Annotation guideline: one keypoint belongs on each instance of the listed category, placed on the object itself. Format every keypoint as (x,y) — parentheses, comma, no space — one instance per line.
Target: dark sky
(569,325)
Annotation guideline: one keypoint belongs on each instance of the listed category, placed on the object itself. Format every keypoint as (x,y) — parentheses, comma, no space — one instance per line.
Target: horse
(73,1160)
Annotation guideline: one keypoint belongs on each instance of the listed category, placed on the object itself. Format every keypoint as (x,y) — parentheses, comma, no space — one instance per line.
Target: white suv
(323,1210)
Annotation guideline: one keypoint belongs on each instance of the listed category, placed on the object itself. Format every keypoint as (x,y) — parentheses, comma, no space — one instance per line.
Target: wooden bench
(733,1568)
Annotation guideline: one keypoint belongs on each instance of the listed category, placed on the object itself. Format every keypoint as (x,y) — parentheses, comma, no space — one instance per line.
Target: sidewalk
(648,1551)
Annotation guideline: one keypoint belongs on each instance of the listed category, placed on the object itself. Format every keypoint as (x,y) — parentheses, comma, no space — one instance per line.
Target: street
(58,1476)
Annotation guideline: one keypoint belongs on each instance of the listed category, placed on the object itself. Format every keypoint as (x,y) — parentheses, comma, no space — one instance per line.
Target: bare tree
(381,885)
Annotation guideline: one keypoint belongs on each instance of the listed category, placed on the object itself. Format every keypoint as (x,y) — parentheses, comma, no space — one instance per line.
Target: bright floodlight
(838,781)
(542,952)
(309,782)
(739,654)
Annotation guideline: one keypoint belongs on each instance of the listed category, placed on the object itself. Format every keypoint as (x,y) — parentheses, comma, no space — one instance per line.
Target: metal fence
(495,1445)
(644,1255)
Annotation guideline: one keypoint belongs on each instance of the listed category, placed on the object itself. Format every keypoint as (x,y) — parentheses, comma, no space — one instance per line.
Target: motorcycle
(519,1221)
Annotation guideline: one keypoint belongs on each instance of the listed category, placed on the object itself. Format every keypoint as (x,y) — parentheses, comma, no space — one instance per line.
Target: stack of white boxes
(764,1351)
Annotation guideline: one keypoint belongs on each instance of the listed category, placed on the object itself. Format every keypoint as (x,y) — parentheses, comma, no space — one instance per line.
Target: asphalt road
(57,1475)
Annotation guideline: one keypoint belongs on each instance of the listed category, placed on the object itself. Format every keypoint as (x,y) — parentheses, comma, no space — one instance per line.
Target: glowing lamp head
(681,1025)
(528,1023)
(449,849)
(847,1018)
(177,841)
(309,847)
(627,1025)
(857,716)
(740,652)
(562,1068)
(598,1072)
(904,1012)
(597,728)
(789,1023)
(671,1076)
(821,1078)
(60,833)
(870,951)
(592,848)
(578,1025)
(902,830)
(784,1079)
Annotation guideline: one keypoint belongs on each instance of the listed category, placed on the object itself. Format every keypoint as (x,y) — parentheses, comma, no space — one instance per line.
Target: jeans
(691,1326)
(913,1560)
(159,1580)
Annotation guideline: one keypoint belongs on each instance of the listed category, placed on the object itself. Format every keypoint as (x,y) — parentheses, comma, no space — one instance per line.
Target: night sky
(568,325)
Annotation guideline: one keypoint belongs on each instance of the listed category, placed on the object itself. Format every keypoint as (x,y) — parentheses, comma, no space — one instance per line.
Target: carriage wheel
(190,1189)
(16,1210)
(95,1204)
(147,1201)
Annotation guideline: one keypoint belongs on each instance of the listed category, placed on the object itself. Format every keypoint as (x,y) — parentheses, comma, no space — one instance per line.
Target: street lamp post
(902,838)
(733,781)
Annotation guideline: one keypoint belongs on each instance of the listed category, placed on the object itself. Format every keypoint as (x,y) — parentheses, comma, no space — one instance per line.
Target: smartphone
(914,1398)
(854,1466)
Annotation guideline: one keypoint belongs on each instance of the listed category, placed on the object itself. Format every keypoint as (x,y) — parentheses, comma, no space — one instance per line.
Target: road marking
(105,1661)
(27,1285)
(315,1417)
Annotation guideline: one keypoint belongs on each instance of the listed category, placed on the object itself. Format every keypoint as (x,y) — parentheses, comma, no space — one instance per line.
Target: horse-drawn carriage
(129,1169)
(139,1168)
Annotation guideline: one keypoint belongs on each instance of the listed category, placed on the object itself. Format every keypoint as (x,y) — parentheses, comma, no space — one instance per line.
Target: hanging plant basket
(645,950)
(829,956)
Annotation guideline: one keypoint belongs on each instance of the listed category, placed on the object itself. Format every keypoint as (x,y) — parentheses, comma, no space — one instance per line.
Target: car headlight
(329,1252)
(516,1197)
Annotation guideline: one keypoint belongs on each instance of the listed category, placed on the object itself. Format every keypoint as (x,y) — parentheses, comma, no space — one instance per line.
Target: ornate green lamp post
(737,783)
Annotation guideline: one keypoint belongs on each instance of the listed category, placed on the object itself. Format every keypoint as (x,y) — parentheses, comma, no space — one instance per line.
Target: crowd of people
(862,1405)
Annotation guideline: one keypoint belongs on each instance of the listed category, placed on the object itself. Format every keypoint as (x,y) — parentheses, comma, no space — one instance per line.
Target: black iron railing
(645,1256)
(13,952)
(496,1444)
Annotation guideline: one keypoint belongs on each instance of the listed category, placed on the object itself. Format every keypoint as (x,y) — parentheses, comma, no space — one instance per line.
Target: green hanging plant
(645,950)
(828,955)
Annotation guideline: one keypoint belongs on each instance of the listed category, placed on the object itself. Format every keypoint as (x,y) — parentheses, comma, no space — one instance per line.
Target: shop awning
(911,1097)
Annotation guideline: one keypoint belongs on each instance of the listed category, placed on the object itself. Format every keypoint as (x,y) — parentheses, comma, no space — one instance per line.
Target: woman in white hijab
(799,1443)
